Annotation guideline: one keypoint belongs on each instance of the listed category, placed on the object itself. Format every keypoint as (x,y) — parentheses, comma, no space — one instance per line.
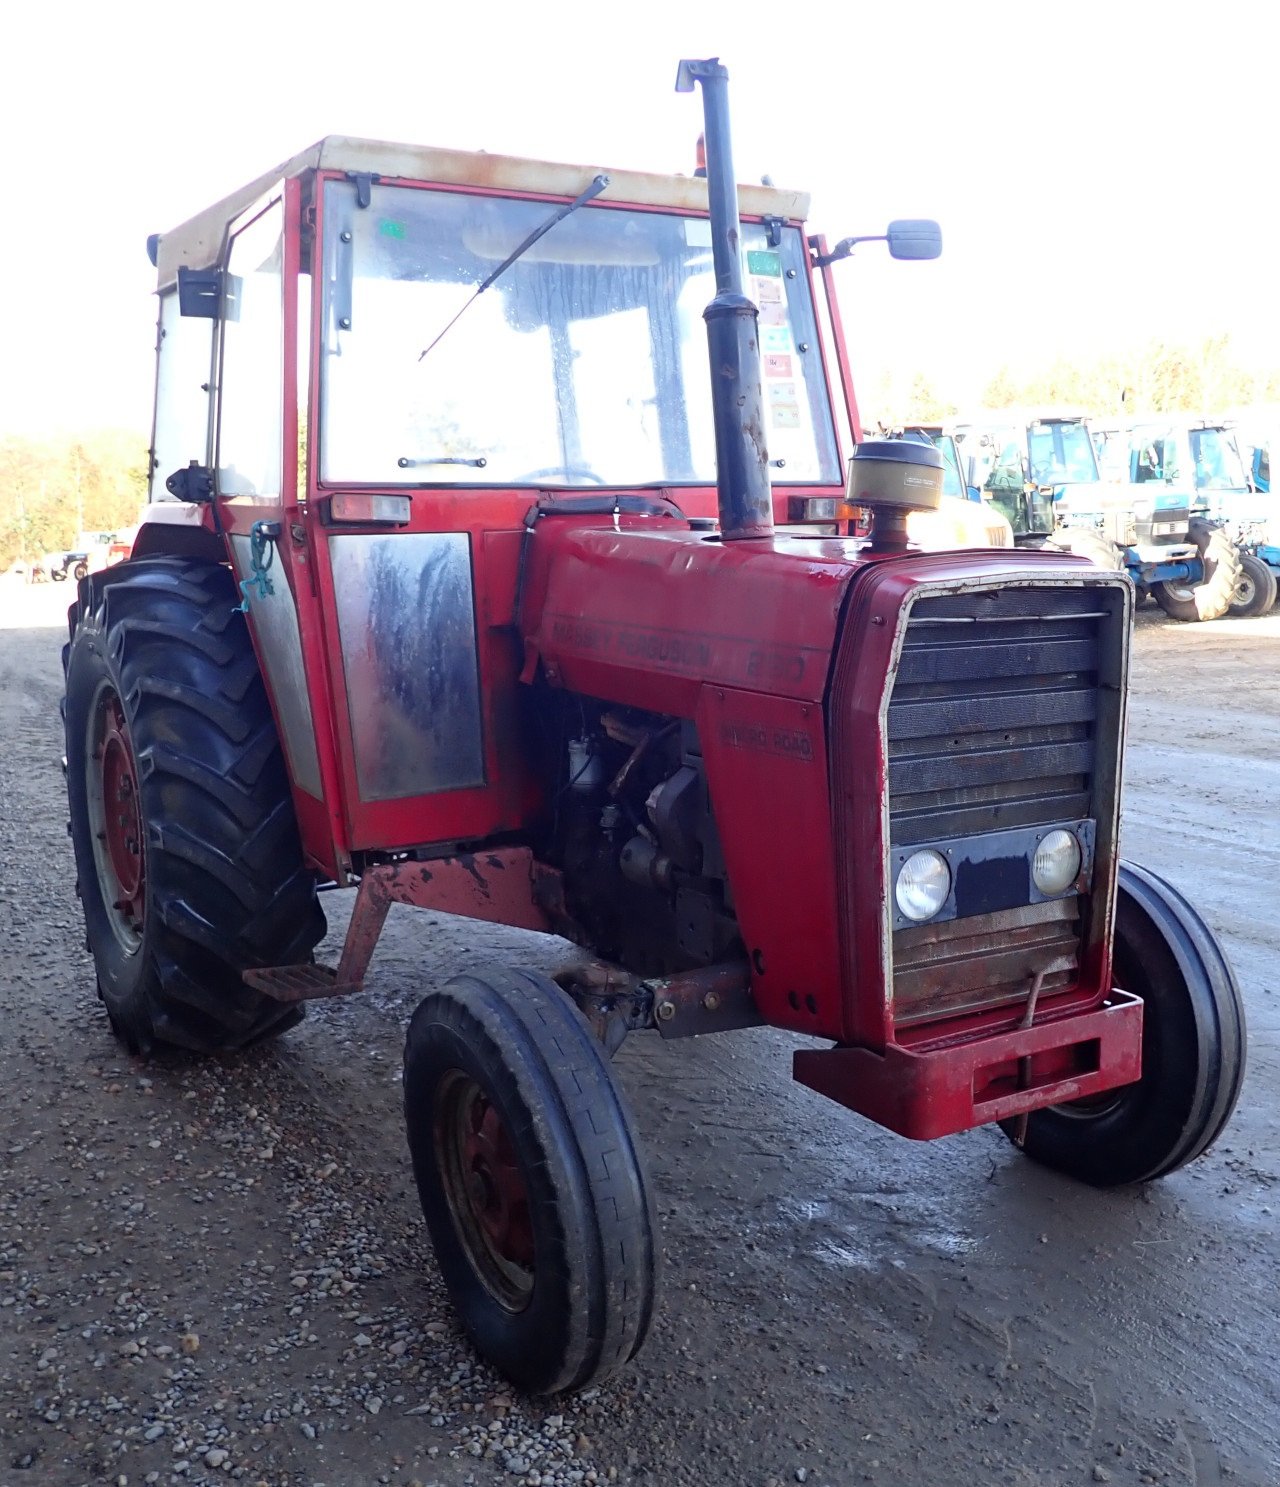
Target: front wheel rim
(485,1190)
(115,818)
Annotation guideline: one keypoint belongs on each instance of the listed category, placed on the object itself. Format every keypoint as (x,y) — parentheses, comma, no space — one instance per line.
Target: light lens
(1057,862)
(924,881)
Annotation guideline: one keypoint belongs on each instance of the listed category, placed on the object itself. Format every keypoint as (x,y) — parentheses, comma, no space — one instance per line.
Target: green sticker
(391,229)
(760,262)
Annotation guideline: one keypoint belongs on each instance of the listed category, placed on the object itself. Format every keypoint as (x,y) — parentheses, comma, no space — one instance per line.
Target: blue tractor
(1042,472)
(1203,457)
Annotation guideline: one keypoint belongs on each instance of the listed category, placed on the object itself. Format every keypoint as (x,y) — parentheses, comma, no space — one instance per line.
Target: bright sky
(1103,173)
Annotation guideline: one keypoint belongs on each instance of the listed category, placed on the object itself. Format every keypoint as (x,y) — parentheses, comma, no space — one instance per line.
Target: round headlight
(924,881)
(1057,862)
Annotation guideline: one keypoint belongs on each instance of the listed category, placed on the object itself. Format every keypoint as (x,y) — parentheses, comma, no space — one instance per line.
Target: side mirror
(914,237)
(907,237)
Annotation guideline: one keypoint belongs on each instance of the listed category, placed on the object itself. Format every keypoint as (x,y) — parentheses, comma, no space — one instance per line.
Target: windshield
(1061,454)
(1217,461)
(585,363)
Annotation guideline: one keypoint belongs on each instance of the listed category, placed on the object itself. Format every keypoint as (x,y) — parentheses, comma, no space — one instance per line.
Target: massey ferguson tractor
(464,584)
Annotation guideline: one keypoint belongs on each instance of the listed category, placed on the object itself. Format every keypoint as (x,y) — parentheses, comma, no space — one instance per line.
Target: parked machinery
(1042,472)
(461,585)
(1202,458)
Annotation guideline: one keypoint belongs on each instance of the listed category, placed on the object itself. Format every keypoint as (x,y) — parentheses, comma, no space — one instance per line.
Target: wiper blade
(411,462)
(590,194)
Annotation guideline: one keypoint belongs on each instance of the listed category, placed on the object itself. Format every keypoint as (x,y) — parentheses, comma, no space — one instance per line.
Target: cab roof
(198,241)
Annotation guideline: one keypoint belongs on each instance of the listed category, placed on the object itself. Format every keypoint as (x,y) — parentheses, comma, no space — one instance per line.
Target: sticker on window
(782,392)
(785,415)
(775,338)
(390,229)
(776,365)
(760,261)
(773,315)
(767,291)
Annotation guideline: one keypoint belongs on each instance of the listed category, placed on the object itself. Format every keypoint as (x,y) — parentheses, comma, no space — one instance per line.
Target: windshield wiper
(590,194)
(411,462)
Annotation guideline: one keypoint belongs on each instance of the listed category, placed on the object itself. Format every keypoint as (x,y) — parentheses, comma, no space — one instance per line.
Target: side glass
(251,401)
(183,371)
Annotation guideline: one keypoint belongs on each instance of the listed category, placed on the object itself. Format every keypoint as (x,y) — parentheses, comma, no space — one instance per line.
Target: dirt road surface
(217,1270)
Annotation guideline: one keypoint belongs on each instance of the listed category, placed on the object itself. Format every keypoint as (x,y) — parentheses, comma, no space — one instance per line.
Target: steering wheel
(570,472)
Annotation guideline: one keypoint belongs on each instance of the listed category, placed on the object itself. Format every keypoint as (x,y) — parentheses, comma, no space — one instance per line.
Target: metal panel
(274,619)
(406,622)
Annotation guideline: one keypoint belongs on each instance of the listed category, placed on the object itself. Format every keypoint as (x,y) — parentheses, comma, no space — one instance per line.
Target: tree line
(1207,377)
(52,490)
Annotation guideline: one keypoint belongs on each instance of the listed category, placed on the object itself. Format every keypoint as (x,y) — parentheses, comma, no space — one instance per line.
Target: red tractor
(462,582)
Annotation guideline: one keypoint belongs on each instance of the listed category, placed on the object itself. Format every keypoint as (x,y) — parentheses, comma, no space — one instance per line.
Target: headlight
(924,881)
(1057,863)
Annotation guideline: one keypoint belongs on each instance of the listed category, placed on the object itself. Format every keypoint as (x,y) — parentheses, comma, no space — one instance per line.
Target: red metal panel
(766,764)
(928,1092)
(643,615)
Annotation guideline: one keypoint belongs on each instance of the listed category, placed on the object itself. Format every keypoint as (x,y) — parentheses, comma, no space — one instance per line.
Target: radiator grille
(992,724)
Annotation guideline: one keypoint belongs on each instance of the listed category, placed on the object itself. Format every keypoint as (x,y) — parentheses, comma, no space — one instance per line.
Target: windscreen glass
(1061,453)
(584,363)
(1217,460)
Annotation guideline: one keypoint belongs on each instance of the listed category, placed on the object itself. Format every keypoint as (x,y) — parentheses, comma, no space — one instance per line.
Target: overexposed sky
(1103,173)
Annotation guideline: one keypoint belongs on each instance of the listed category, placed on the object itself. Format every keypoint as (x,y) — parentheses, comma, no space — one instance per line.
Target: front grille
(993,723)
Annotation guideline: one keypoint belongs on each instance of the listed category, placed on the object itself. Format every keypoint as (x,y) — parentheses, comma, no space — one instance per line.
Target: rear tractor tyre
(1211,598)
(188,860)
(1193,1050)
(530,1179)
(81,570)
(1256,592)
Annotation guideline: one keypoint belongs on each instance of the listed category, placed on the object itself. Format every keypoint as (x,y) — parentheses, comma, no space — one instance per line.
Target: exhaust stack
(742,459)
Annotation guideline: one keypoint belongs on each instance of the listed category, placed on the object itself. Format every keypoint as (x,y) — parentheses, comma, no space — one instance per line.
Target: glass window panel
(252,380)
(584,361)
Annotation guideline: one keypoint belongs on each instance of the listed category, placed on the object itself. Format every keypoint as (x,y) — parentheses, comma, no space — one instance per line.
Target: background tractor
(1202,459)
(1042,472)
(470,582)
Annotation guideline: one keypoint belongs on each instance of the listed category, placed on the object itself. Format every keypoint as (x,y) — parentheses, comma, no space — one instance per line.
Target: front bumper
(924,1092)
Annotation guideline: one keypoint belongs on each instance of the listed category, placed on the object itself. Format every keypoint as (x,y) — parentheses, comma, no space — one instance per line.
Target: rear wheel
(188,862)
(1256,592)
(530,1179)
(1211,598)
(1193,1049)
(81,570)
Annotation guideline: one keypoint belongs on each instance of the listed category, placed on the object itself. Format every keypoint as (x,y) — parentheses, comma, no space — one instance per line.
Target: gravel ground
(217,1269)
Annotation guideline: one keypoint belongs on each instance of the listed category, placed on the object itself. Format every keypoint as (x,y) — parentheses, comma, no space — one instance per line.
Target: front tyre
(530,1179)
(1211,598)
(1256,592)
(1193,1049)
(188,861)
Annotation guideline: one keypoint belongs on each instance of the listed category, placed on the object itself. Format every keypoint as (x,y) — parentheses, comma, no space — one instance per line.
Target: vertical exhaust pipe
(742,459)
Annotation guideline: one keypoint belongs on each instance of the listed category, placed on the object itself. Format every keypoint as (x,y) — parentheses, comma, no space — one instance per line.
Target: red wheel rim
(116,818)
(485,1189)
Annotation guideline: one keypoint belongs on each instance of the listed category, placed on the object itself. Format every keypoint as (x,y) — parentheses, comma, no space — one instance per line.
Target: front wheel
(1256,592)
(530,1179)
(1193,1049)
(1211,598)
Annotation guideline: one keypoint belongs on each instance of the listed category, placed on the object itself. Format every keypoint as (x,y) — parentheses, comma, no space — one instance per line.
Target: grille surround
(1004,709)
